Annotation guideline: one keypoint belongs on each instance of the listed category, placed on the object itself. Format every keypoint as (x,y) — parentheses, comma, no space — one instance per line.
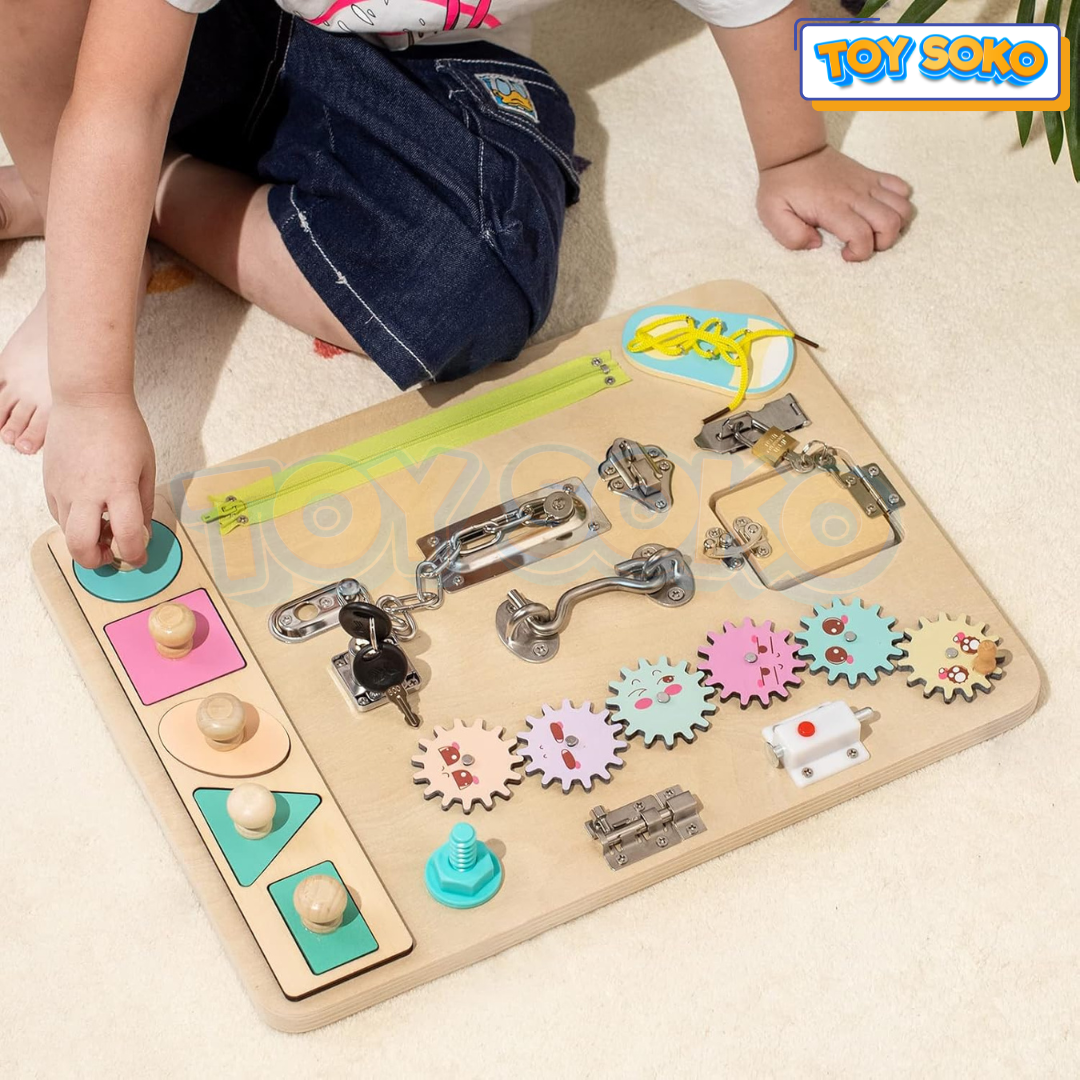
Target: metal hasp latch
(531,630)
(817,743)
(316,611)
(642,473)
(513,534)
(642,828)
(746,536)
(872,489)
(726,433)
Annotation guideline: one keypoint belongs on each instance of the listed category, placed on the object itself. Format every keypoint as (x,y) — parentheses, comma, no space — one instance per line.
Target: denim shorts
(421,192)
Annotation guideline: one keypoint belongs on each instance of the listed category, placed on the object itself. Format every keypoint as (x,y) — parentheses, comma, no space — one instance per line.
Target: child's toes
(33,438)
(8,400)
(16,422)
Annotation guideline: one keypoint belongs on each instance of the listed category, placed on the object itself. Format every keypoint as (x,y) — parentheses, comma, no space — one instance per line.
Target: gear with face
(953,656)
(661,701)
(467,764)
(850,641)
(571,745)
(751,662)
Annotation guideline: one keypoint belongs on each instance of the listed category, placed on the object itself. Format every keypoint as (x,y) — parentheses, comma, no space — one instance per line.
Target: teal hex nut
(464,872)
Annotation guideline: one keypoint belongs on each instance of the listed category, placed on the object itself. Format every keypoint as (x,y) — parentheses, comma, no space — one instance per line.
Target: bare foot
(25,398)
(19,215)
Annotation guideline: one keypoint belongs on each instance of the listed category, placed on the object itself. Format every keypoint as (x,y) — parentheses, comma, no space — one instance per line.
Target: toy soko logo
(983,66)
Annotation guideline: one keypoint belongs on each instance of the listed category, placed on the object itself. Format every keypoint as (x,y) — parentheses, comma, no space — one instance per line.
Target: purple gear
(751,662)
(571,745)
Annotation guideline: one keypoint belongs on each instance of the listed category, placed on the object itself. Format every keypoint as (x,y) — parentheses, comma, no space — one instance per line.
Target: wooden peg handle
(118,562)
(221,719)
(320,902)
(251,808)
(986,657)
(172,626)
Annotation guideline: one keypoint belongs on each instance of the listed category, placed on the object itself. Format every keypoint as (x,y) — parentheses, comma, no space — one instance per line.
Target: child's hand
(828,190)
(98,457)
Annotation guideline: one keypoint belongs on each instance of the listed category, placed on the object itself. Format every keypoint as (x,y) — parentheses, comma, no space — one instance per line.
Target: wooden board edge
(157,788)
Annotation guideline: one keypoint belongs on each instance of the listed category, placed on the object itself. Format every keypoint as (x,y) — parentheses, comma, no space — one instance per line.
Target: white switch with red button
(818,743)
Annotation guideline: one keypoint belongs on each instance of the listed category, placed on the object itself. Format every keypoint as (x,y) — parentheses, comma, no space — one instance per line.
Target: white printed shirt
(400,23)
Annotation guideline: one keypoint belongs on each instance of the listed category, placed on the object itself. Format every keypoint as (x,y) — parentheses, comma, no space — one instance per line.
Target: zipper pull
(229,511)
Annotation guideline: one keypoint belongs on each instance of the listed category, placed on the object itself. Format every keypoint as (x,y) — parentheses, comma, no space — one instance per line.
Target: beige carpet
(931,928)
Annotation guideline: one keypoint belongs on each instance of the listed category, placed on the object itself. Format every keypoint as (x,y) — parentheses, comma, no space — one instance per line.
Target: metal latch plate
(644,827)
(741,430)
(640,472)
(316,611)
(521,547)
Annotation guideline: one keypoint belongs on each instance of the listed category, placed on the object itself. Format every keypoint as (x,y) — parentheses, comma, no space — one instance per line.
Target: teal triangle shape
(249,858)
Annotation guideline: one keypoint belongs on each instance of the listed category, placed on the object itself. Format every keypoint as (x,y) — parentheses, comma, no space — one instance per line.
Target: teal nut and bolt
(464,872)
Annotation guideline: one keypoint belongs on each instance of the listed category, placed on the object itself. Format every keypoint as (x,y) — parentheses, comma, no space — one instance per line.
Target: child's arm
(804,183)
(107,156)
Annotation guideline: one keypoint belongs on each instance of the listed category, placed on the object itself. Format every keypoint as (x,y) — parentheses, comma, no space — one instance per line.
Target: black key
(358,619)
(383,670)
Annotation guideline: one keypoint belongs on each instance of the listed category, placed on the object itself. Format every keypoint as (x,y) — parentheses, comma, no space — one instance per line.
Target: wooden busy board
(372,822)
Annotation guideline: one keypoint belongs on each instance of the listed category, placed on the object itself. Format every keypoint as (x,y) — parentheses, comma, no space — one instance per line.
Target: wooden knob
(986,657)
(119,563)
(320,902)
(172,626)
(221,719)
(251,808)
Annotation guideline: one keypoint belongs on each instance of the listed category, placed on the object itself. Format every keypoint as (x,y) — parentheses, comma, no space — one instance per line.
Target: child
(395,186)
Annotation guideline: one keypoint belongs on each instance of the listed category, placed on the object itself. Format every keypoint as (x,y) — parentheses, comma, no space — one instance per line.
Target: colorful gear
(944,654)
(849,640)
(662,701)
(467,764)
(751,662)
(572,745)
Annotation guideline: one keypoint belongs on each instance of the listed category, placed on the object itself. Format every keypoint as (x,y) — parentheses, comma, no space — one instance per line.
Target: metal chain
(475,538)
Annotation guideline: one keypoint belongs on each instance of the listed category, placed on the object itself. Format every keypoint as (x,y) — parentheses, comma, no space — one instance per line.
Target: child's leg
(218,219)
(39,44)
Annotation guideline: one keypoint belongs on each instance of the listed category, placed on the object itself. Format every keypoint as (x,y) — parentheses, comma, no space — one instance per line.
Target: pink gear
(751,662)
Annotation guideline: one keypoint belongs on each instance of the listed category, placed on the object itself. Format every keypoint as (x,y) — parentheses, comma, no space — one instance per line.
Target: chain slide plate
(493,553)
(315,612)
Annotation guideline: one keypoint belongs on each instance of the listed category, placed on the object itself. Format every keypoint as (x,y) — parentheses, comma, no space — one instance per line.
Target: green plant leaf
(1072,114)
(1055,129)
(921,10)
(870,7)
(1025,13)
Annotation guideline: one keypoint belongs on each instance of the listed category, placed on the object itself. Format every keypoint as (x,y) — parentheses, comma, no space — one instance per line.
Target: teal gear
(645,703)
(849,640)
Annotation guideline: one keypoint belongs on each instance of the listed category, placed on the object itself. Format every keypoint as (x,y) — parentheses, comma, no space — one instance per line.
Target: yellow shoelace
(709,340)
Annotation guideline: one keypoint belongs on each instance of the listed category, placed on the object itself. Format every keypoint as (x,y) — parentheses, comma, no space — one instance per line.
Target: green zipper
(455,426)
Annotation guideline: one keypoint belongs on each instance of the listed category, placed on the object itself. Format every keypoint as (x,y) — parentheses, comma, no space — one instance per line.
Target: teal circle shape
(163,558)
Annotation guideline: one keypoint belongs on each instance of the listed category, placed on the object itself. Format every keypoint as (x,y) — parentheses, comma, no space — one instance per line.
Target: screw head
(664,466)
(894,499)
(594,525)
(286,619)
(852,752)
(661,841)
(539,649)
(458,579)
(620,858)
(808,772)
(873,470)
(326,603)
(661,504)
(675,594)
(432,541)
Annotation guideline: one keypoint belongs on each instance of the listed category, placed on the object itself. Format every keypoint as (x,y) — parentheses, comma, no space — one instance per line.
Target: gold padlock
(773,446)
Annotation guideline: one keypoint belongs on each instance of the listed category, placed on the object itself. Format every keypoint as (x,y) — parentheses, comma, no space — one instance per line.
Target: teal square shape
(324,952)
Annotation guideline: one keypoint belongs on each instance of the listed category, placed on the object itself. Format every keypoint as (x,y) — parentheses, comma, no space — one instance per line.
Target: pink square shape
(213,654)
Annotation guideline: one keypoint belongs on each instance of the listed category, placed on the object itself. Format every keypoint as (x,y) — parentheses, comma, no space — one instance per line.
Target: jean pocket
(529,109)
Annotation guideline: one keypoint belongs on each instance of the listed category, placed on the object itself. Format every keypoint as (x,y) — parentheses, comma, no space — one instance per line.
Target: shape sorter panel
(213,654)
(554,871)
(162,693)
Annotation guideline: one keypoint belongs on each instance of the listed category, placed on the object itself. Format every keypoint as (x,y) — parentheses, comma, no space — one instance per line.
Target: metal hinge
(642,828)
(746,537)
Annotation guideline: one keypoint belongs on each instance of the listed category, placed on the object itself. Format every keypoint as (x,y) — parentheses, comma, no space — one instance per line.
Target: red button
(806,729)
